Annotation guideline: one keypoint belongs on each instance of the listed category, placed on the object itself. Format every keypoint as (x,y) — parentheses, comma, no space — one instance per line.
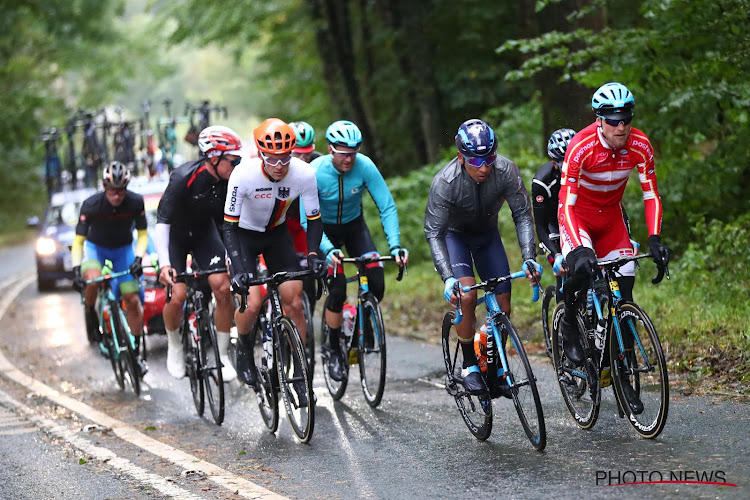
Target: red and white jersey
(258,203)
(594,176)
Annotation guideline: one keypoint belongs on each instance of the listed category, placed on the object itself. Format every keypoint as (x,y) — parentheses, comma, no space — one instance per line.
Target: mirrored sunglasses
(345,153)
(234,162)
(479,161)
(276,160)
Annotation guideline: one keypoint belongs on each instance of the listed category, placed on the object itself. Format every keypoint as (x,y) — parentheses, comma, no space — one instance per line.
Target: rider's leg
(291,298)
(246,370)
(172,314)
(223,319)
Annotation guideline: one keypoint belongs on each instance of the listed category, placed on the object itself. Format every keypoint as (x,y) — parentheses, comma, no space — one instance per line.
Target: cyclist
(187,218)
(461,228)
(305,151)
(105,232)
(544,194)
(260,194)
(597,165)
(343,175)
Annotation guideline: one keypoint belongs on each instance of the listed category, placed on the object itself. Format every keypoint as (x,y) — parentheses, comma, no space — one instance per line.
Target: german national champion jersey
(594,178)
(258,203)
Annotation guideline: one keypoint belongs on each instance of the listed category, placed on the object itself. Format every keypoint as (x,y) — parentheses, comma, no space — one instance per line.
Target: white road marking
(215,474)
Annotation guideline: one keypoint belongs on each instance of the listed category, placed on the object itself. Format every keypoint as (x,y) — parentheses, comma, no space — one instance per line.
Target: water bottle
(193,329)
(349,313)
(106,319)
(599,334)
(480,347)
(268,346)
(590,301)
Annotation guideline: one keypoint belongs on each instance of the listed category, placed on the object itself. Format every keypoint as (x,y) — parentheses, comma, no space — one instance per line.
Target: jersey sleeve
(383,199)
(171,200)
(647,176)
(436,217)
(232,210)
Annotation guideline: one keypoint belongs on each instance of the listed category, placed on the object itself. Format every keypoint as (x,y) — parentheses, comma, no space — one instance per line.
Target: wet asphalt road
(413,445)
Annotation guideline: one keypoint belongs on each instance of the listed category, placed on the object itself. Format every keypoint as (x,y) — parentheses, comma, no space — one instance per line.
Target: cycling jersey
(545,188)
(458,203)
(108,226)
(193,202)
(340,195)
(593,181)
(256,202)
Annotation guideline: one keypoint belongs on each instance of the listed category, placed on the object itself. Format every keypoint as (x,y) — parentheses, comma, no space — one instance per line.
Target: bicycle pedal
(353,357)
(606,378)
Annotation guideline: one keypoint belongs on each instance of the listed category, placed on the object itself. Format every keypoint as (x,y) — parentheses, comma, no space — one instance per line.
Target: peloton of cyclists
(260,193)
(343,176)
(187,218)
(105,232)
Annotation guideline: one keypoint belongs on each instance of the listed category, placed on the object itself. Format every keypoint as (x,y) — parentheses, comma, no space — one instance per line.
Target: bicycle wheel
(475,410)
(643,366)
(310,335)
(372,352)
(268,395)
(191,365)
(127,358)
(335,388)
(210,367)
(573,380)
(547,298)
(296,388)
(523,386)
(108,339)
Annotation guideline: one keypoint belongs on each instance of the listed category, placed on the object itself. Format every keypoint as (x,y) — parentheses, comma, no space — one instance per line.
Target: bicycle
(117,343)
(508,369)
(202,362)
(550,292)
(369,351)
(278,351)
(628,346)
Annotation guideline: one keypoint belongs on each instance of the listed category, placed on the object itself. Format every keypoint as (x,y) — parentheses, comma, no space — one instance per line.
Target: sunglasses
(345,153)
(616,123)
(478,162)
(277,160)
(234,163)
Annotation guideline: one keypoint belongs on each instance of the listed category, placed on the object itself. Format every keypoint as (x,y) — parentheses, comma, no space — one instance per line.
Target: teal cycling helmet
(613,99)
(305,135)
(345,133)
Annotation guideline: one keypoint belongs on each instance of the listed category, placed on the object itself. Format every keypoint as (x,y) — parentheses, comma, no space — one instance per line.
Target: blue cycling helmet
(613,99)
(558,143)
(345,133)
(476,138)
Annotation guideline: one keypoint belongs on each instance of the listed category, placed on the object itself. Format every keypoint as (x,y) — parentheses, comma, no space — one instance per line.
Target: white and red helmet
(217,139)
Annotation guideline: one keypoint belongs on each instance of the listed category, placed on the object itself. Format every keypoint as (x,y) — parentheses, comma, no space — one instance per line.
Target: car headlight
(45,246)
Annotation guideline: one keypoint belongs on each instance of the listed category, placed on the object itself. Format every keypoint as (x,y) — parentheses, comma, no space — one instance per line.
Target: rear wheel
(126,360)
(267,393)
(335,388)
(372,352)
(211,368)
(642,365)
(573,380)
(475,410)
(191,366)
(523,386)
(296,387)
(108,340)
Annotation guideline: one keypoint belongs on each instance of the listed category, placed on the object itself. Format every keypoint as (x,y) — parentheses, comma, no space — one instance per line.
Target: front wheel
(267,394)
(126,358)
(210,368)
(294,382)
(191,365)
(523,386)
(372,352)
(638,361)
(573,380)
(475,410)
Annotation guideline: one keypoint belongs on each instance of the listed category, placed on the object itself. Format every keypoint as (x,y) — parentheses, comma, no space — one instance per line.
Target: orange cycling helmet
(275,137)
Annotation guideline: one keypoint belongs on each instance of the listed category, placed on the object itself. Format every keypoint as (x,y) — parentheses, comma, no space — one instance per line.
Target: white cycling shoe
(175,355)
(228,372)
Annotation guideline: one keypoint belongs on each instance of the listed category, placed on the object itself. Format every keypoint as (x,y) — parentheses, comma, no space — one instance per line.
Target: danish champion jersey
(594,177)
(258,203)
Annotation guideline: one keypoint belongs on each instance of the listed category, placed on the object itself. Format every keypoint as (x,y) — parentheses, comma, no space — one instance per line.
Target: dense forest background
(409,73)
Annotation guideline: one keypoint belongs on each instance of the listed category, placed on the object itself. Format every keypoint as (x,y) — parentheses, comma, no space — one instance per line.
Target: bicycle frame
(107,296)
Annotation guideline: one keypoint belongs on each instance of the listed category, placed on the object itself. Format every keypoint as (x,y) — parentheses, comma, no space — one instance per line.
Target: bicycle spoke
(296,387)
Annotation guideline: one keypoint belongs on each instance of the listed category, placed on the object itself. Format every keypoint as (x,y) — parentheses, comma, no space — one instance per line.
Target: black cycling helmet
(476,139)
(116,175)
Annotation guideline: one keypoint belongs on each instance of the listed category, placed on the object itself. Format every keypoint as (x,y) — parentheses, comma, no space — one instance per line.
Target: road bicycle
(550,293)
(369,349)
(198,332)
(508,371)
(117,343)
(621,346)
(280,359)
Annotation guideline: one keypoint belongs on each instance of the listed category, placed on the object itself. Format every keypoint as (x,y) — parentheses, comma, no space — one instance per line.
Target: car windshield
(67,214)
